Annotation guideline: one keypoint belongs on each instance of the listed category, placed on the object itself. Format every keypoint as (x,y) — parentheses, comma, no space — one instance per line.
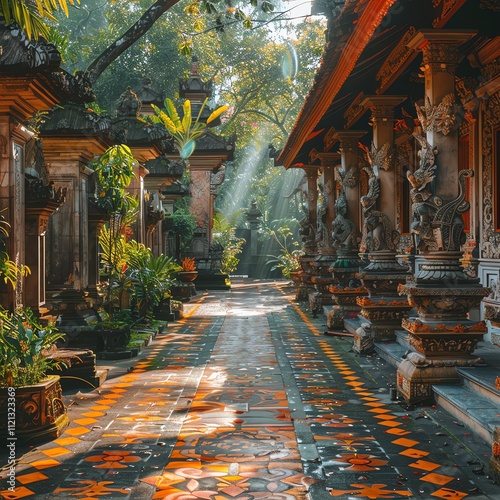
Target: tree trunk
(129,38)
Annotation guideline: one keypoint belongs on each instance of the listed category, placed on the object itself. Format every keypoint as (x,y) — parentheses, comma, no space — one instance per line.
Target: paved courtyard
(246,398)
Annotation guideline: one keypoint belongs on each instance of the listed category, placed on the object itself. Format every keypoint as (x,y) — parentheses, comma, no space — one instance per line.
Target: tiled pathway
(247,399)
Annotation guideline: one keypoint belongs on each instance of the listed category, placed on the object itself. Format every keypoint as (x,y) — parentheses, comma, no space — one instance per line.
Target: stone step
(352,324)
(481,380)
(391,352)
(402,339)
(474,411)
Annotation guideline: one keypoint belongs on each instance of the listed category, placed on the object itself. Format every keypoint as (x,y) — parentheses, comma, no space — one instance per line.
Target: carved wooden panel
(490,244)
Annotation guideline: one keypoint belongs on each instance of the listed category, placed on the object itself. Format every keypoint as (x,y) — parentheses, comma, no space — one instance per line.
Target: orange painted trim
(322,96)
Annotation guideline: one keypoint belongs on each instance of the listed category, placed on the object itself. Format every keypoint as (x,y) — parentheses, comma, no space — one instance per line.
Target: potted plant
(31,404)
(151,277)
(287,260)
(188,272)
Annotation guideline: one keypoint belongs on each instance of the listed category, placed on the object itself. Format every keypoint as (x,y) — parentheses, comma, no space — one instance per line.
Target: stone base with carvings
(337,314)
(302,292)
(384,315)
(363,340)
(445,338)
(417,374)
(345,306)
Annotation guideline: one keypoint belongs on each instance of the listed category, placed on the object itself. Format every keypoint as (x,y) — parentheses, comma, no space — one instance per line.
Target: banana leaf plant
(183,130)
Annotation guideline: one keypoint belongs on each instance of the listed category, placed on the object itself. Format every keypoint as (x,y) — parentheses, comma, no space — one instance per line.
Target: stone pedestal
(321,280)
(383,310)
(442,336)
(305,286)
(344,299)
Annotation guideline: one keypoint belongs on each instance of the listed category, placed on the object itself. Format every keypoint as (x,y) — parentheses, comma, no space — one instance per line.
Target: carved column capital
(439,48)
(311,171)
(328,159)
(349,140)
(382,107)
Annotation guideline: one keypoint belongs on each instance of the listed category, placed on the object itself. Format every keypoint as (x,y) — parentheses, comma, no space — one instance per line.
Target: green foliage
(288,258)
(224,236)
(31,15)
(23,347)
(115,171)
(10,271)
(184,131)
(184,224)
(151,276)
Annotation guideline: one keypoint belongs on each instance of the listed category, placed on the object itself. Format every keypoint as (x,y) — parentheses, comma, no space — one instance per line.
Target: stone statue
(377,230)
(128,104)
(436,225)
(343,231)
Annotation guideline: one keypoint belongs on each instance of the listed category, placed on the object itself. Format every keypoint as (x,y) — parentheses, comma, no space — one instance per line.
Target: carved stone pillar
(347,251)
(346,228)
(326,254)
(383,310)
(307,231)
(439,61)
(442,336)
(14,137)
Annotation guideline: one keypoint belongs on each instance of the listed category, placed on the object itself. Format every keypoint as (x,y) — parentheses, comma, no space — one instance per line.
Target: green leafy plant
(288,259)
(10,271)
(151,276)
(183,224)
(31,15)
(224,236)
(183,130)
(115,171)
(24,345)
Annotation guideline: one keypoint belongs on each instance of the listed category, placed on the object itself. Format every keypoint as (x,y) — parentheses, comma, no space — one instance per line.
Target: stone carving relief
(378,233)
(128,104)
(436,225)
(343,230)
(307,232)
(490,245)
(440,58)
(324,237)
(440,118)
(490,4)
(355,110)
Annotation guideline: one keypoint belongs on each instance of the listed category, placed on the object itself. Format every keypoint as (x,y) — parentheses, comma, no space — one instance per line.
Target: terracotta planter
(187,276)
(39,411)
